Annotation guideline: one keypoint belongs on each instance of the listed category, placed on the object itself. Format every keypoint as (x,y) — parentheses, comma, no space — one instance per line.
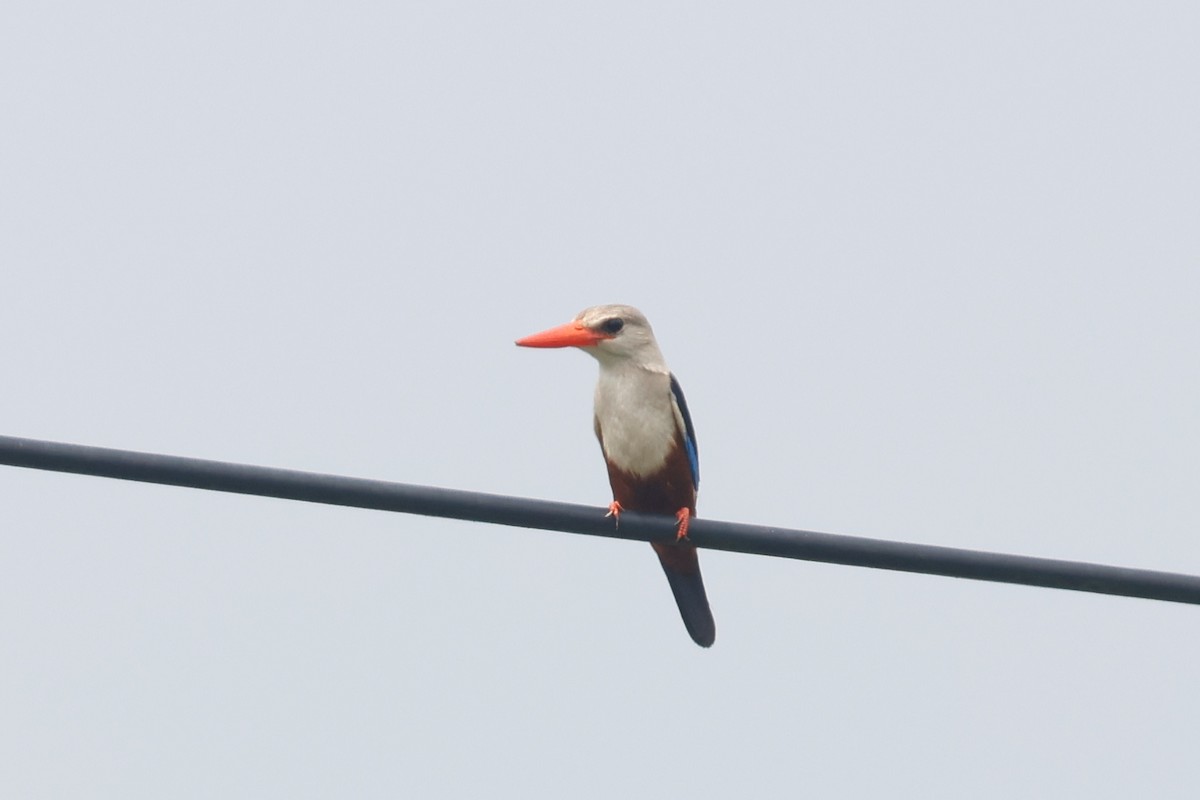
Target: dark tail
(682,569)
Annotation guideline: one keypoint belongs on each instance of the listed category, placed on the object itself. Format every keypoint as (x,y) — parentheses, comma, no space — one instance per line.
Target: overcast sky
(927,272)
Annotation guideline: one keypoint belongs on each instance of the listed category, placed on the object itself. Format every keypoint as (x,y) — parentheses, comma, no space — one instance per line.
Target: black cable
(523,512)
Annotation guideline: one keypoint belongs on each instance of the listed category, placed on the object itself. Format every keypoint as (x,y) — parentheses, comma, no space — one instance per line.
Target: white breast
(637,417)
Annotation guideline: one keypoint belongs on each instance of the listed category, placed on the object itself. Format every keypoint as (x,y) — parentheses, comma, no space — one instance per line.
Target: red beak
(573,334)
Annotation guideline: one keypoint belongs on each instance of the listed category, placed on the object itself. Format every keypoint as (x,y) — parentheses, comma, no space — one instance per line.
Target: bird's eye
(612,325)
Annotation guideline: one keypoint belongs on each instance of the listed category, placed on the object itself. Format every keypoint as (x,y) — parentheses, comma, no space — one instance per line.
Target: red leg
(683,515)
(614,511)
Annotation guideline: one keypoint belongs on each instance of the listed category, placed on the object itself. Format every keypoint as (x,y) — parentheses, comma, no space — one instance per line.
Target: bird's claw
(683,515)
(614,511)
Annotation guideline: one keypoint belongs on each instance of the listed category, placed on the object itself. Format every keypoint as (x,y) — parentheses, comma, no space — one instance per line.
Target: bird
(647,438)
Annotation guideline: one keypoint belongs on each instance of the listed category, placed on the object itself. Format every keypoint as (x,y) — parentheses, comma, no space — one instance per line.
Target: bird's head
(612,334)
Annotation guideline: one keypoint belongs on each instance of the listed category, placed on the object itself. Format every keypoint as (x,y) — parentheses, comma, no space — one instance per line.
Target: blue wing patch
(689,433)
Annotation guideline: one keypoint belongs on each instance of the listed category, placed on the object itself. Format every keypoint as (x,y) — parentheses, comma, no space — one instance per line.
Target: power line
(527,513)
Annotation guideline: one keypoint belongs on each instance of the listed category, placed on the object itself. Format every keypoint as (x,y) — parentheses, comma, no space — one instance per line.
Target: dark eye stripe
(613,325)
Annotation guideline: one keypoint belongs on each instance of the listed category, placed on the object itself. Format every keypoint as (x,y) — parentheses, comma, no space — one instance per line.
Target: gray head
(614,334)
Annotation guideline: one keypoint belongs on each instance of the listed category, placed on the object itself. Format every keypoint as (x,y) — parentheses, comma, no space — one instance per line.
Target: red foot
(683,515)
(614,511)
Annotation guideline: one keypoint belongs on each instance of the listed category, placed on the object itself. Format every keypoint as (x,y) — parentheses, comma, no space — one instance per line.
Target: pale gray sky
(926,271)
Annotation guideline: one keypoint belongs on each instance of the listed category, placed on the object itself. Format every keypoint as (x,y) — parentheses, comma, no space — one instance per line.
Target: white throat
(636,415)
